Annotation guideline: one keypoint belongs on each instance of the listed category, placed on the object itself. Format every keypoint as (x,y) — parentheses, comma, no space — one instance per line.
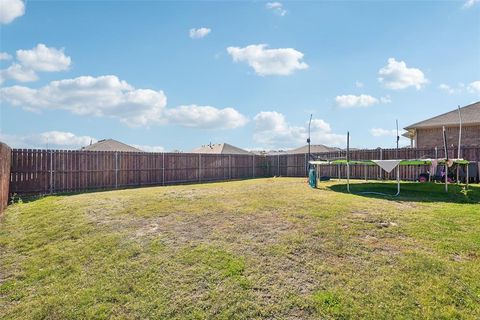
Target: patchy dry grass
(266,249)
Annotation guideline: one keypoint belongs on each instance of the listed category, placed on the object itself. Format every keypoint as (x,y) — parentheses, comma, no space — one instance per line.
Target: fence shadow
(413,192)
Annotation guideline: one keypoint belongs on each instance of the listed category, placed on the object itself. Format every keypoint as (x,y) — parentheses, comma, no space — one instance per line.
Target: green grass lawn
(256,249)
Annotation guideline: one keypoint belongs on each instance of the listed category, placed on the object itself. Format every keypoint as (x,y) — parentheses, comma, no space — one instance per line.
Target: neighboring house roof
(470,115)
(219,148)
(314,148)
(110,145)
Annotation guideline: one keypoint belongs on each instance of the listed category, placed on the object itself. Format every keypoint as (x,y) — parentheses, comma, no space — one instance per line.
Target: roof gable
(220,148)
(470,115)
(110,145)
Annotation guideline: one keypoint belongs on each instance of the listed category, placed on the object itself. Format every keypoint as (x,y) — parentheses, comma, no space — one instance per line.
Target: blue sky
(249,73)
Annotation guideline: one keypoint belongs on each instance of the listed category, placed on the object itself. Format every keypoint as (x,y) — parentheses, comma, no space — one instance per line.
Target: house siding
(433,137)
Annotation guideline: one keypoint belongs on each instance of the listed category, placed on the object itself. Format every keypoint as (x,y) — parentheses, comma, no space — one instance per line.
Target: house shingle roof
(220,148)
(470,115)
(111,145)
(314,148)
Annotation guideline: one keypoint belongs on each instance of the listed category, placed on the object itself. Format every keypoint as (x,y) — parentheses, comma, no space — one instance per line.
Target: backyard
(269,248)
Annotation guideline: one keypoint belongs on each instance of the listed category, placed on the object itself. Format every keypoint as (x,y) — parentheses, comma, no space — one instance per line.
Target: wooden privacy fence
(295,165)
(5,154)
(52,171)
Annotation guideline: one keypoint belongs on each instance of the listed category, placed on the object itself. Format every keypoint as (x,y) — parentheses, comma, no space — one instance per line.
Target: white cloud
(447,88)
(18,73)
(10,10)
(282,61)
(272,130)
(148,148)
(199,33)
(108,96)
(101,96)
(359,84)
(470,3)
(474,87)
(206,117)
(363,100)
(379,132)
(43,58)
(5,56)
(277,8)
(52,139)
(396,75)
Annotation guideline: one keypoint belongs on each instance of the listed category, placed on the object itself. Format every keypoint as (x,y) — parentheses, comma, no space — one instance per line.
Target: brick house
(428,133)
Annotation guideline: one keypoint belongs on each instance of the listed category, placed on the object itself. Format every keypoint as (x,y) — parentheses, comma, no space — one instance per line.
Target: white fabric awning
(387,165)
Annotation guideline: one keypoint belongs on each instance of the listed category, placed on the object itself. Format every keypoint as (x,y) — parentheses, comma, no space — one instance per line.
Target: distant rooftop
(110,145)
(220,148)
(470,115)
(314,148)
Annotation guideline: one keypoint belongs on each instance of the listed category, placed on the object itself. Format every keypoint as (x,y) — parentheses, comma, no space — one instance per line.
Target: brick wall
(433,137)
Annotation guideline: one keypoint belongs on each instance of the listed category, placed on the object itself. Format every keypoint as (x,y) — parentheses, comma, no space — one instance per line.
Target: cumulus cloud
(474,87)
(380,132)
(363,100)
(10,10)
(108,96)
(282,61)
(447,88)
(273,130)
(5,56)
(396,75)
(101,96)
(50,139)
(199,33)
(43,58)
(29,62)
(277,8)
(470,3)
(206,117)
(18,73)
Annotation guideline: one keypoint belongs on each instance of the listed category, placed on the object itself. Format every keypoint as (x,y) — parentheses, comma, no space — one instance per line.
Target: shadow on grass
(411,191)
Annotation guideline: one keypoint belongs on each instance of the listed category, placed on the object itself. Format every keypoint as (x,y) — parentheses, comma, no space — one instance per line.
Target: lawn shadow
(411,191)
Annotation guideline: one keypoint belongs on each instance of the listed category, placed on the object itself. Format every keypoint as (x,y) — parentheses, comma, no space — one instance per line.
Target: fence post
(380,169)
(51,171)
(199,166)
(163,168)
(253,166)
(230,166)
(116,169)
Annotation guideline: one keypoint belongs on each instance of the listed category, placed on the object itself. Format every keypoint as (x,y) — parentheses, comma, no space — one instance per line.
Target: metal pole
(348,161)
(230,167)
(366,168)
(308,140)
(398,180)
(468,165)
(459,143)
(446,158)
(398,138)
